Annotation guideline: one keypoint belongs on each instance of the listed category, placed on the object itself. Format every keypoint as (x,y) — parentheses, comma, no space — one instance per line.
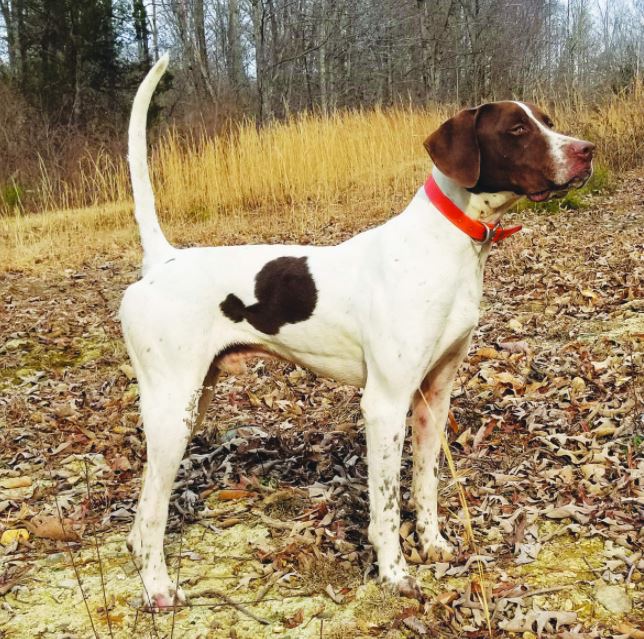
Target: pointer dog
(391,310)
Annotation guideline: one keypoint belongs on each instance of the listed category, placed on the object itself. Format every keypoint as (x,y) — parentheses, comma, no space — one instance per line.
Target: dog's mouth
(541,196)
(559,190)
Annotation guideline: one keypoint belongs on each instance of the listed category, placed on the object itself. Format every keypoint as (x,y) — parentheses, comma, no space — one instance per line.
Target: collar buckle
(490,233)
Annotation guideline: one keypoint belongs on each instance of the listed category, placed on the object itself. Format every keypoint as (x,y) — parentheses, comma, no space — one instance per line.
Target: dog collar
(482,232)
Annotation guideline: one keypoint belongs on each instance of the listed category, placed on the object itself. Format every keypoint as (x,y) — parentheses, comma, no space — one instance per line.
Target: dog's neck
(487,207)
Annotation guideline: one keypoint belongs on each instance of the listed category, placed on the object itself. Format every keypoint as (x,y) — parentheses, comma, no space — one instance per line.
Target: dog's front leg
(384,416)
(430,408)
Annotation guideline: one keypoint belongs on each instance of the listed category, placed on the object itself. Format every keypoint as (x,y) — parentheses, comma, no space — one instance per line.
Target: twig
(593,570)
(634,377)
(544,591)
(234,604)
(467,522)
(440,428)
(176,585)
(212,606)
(98,554)
(71,556)
(147,596)
(267,588)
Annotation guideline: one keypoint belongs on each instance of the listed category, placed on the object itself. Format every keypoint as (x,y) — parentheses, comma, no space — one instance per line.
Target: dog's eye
(549,123)
(519,129)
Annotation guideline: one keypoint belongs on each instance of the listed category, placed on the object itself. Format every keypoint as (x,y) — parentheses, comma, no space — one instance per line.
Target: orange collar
(482,232)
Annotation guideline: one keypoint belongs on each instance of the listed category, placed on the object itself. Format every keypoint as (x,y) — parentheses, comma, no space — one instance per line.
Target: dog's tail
(155,245)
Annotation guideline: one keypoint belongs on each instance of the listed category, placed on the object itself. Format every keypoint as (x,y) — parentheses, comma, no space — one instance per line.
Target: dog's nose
(583,149)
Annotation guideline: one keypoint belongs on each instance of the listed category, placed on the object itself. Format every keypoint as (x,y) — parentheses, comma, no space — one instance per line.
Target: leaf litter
(270,504)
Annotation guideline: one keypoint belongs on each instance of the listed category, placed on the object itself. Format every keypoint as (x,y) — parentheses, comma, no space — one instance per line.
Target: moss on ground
(48,603)
(34,357)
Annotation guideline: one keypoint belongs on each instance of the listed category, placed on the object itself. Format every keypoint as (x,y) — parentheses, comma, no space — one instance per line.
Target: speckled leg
(428,420)
(385,429)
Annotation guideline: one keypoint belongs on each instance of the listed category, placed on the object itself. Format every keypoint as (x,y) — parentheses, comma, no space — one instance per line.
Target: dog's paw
(437,549)
(405,586)
(166,599)
(409,587)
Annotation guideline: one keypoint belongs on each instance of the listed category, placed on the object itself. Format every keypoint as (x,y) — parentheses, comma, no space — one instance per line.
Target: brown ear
(454,148)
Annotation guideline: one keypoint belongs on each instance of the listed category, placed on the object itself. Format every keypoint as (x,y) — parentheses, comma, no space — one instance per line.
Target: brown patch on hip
(285,292)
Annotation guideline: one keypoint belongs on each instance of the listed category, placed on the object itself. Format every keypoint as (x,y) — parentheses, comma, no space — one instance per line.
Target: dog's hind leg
(169,410)
(174,396)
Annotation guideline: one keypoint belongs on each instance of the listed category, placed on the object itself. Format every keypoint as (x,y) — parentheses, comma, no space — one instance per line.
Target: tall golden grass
(284,179)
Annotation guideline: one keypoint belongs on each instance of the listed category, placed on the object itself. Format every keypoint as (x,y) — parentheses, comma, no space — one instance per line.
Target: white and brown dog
(391,310)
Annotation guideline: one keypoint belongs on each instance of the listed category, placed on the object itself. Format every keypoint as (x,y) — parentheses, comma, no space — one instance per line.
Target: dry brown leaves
(549,409)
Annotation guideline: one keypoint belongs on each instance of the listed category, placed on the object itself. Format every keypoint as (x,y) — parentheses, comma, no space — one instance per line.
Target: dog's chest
(447,310)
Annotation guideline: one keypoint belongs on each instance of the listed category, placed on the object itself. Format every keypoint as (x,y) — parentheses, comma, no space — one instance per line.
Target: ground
(269,515)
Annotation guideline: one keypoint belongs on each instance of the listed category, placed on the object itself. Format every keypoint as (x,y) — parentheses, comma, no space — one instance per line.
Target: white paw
(157,598)
(406,586)
(394,576)
(435,548)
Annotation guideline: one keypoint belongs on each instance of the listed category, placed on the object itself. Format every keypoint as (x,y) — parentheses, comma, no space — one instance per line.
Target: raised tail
(155,245)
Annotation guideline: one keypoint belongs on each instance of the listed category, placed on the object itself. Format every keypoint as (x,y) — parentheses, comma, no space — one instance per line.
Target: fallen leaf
(15,482)
(630,631)
(128,371)
(578,385)
(614,598)
(538,619)
(49,527)
(230,522)
(415,625)
(453,424)
(487,352)
(604,430)
(447,597)
(15,534)
(335,597)
(515,325)
(121,463)
(295,620)
(234,493)
(66,410)
(514,347)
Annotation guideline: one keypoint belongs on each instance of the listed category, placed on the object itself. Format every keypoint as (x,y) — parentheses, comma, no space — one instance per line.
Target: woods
(68,68)
(302,122)
(272,57)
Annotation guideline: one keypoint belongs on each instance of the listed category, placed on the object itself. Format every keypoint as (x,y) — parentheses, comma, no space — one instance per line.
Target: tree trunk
(235,66)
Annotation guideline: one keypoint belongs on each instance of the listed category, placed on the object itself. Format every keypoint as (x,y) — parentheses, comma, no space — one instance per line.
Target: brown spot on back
(285,292)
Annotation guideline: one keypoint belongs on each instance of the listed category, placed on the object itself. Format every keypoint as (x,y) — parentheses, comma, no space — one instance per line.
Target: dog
(391,310)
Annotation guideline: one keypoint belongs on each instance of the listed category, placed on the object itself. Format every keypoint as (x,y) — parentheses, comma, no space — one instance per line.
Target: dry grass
(284,181)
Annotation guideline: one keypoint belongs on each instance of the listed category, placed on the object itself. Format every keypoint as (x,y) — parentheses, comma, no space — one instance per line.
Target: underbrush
(353,168)
(340,158)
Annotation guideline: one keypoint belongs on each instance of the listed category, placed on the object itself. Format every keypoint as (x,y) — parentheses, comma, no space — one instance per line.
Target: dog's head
(510,146)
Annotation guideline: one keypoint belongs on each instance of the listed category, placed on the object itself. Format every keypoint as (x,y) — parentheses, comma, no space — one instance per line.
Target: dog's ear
(454,148)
